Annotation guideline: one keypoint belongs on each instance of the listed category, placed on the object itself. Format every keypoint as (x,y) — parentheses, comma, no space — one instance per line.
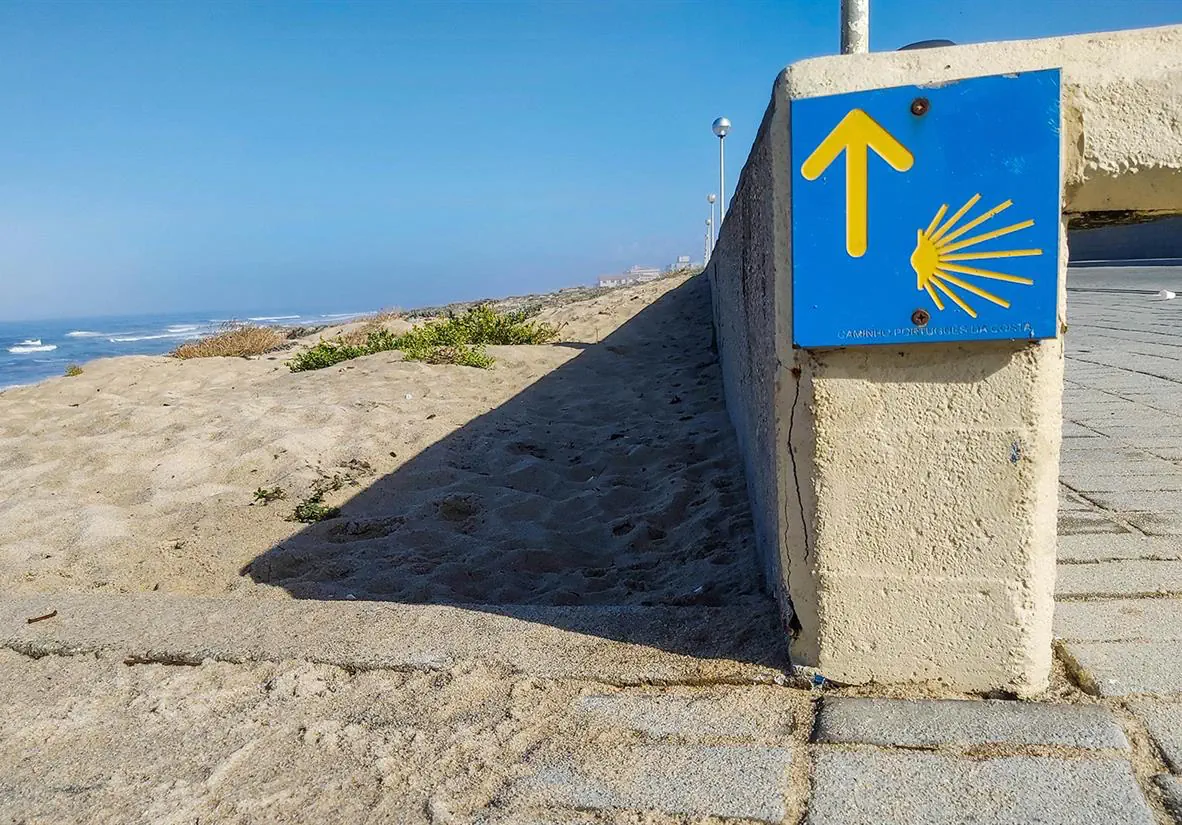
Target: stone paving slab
(1090,451)
(1113,547)
(1124,668)
(1138,500)
(1115,490)
(748,782)
(926,722)
(905,788)
(1112,620)
(1156,522)
(1123,578)
(1069,502)
(1088,523)
(1171,791)
(1083,468)
(747,714)
(1164,721)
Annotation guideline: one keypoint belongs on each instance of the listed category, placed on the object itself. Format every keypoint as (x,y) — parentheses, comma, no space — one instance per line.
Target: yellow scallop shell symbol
(937,256)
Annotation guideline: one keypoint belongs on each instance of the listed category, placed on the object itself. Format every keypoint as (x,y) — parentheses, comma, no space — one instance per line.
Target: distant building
(634,275)
(614,280)
(682,262)
(644,274)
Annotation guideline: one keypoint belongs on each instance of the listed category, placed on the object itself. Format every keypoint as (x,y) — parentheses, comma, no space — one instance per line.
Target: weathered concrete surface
(1120,578)
(1114,620)
(1171,791)
(950,722)
(747,714)
(722,753)
(707,780)
(869,786)
(1164,721)
(619,645)
(747,324)
(1119,618)
(1123,668)
(1085,548)
(880,476)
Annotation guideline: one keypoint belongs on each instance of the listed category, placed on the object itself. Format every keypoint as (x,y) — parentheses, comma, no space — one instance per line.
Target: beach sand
(597,470)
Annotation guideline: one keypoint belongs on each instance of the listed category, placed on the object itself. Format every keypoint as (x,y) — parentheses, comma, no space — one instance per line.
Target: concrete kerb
(358,636)
(874,602)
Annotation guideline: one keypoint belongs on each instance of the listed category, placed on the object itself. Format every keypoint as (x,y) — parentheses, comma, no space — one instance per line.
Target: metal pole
(711,223)
(721,187)
(720,127)
(855,26)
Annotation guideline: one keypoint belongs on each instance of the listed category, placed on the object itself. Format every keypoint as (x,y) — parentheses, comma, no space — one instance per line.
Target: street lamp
(709,240)
(711,198)
(855,26)
(721,126)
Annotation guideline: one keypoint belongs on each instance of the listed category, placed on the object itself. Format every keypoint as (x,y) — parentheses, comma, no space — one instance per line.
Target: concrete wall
(745,325)
(887,500)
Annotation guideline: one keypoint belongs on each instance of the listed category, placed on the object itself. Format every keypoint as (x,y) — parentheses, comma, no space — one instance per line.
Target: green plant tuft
(325,354)
(266,496)
(313,509)
(457,339)
(73,370)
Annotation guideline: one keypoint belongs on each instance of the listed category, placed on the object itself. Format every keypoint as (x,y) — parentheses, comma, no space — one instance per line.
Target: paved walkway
(147,708)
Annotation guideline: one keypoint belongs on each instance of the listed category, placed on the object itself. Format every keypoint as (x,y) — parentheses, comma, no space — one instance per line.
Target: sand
(96,741)
(597,470)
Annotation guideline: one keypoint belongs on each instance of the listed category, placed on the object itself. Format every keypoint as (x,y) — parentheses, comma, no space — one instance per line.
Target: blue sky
(248,157)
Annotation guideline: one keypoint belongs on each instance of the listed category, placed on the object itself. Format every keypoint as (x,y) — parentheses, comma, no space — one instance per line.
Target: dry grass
(234,341)
(382,316)
(357,337)
(369,323)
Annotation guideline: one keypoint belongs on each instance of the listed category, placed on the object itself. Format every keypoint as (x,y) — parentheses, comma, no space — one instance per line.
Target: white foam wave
(183,328)
(83,333)
(22,349)
(274,318)
(125,339)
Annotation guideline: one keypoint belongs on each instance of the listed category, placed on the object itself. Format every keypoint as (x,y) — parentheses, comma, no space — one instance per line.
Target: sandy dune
(598,470)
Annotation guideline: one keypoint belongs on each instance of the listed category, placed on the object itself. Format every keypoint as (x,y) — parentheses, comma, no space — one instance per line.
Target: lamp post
(721,126)
(711,198)
(855,26)
(709,239)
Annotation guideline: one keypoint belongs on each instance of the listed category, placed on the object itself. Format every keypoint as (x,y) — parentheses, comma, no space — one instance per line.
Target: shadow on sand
(607,498)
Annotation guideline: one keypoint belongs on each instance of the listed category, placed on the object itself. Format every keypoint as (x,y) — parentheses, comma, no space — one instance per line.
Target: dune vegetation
(460,338)
(234,340)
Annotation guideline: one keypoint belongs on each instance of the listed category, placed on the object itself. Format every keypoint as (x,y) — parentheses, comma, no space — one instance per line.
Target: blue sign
(927,213)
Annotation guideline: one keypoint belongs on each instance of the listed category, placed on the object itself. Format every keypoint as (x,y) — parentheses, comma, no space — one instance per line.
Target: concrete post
(900,558)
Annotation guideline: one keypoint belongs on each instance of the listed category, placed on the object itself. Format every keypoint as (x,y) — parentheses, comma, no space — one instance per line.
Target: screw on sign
(926,213)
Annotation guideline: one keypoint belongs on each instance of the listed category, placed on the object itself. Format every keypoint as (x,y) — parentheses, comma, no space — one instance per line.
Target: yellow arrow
(855,135)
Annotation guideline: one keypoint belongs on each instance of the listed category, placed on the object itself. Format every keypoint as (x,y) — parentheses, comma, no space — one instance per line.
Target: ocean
(31,351)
